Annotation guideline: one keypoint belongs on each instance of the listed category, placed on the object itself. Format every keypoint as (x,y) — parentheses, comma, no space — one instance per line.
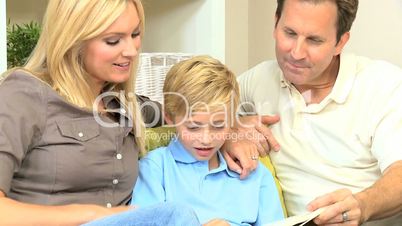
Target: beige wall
(377,31)
(261,24)
(187,26)
(168,24)
(24,11)
(236,35)
(215,27)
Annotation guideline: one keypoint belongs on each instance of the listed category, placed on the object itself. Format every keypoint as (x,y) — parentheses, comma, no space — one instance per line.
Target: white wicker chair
(152,71)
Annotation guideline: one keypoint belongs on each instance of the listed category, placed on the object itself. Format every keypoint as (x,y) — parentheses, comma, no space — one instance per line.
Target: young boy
(200,101)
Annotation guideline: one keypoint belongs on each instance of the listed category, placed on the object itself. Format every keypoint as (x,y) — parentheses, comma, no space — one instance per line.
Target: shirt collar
(180,154)
(284,83)
(114,106)
(346,78)
(344,81)
(113,103)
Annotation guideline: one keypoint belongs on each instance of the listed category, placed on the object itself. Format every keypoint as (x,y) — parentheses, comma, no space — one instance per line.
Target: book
(298,220)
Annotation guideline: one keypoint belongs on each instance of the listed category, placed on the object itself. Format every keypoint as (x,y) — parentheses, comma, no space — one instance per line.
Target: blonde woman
(70,126)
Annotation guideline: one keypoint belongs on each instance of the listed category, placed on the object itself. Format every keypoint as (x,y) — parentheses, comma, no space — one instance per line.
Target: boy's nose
(206,138)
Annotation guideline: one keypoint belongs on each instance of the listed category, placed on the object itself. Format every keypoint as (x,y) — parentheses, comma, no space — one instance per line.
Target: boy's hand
(216,222)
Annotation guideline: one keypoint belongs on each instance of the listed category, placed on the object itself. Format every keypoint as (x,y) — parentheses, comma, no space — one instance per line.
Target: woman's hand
(216,222)
(73,214)
(99,211)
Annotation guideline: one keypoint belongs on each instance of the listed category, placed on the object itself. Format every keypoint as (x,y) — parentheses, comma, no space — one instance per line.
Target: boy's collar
(180,154)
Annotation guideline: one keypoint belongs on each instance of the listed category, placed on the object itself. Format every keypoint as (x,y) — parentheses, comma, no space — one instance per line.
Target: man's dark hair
(347,10)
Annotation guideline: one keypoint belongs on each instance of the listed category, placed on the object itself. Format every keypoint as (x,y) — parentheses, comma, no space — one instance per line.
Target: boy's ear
(168,120)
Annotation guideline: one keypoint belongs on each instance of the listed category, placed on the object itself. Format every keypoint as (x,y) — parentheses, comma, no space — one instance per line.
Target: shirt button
(80,134)
(109,205)
(119,156)
(115,181)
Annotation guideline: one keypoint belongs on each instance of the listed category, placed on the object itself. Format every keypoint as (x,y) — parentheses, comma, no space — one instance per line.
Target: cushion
(161,136)
(266,161)
(158,137)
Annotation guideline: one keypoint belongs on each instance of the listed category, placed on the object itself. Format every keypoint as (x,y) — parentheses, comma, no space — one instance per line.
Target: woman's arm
(23,214)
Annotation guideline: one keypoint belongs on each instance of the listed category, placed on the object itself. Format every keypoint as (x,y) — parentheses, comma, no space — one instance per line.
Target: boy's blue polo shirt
(171,174)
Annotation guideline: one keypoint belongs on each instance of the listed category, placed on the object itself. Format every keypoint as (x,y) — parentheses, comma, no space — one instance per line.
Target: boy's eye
(193,128)
(218,127)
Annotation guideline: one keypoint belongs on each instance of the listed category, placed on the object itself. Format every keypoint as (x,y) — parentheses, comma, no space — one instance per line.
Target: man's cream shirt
(346,141)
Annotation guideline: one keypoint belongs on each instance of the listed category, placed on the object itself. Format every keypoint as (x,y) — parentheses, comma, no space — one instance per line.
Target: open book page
(297,220)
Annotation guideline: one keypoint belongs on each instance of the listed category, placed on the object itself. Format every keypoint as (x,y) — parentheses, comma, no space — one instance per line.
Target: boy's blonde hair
(201,83)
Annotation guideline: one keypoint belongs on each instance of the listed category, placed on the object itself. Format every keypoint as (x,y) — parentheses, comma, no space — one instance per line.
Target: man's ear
(274,31)
(342,42)
(276,20)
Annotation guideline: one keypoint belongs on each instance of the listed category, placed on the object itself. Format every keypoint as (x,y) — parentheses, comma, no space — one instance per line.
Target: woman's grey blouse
(54,153)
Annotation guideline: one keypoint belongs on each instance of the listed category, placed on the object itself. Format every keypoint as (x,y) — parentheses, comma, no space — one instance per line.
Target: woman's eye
(135,34)
(112,42)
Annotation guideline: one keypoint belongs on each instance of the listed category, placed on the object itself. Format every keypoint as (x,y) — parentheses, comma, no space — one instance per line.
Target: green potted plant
(21,40)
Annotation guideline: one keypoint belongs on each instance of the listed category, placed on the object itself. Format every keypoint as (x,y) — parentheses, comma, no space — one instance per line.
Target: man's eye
(315,41)
(290,33)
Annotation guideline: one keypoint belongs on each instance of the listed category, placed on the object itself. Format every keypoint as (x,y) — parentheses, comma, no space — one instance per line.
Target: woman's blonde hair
(200,83)
(57,58)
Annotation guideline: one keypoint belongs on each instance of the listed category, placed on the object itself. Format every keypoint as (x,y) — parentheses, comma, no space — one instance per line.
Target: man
(341,119)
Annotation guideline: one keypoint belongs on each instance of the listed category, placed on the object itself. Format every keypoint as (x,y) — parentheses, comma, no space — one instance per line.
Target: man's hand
(382,199)
(255,129)
(250,139)
(343,208)
(241,156)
